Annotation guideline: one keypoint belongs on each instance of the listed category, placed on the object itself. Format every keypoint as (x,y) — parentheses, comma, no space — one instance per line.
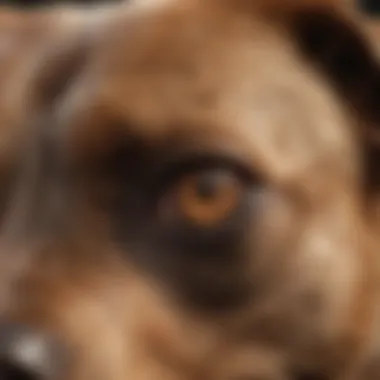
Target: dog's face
(187,200)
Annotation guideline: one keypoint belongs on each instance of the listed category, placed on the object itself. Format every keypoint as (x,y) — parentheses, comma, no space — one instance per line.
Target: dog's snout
(29,354)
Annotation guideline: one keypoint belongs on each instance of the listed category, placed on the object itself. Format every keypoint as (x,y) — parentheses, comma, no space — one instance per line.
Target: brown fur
(103,105)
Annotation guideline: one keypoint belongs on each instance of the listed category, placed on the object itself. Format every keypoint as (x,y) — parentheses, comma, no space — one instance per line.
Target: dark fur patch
(369,7)
(337,48)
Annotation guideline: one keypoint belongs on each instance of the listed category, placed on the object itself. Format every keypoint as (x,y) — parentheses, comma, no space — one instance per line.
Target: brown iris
(205,198)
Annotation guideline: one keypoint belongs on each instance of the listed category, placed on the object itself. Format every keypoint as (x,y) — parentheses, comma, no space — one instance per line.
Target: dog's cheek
(275,226)
(328,265)
(311,252)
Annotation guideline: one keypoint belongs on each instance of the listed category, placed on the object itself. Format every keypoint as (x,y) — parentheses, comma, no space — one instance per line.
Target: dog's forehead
(235,83)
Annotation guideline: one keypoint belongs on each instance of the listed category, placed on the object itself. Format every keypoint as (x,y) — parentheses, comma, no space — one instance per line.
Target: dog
(189,191)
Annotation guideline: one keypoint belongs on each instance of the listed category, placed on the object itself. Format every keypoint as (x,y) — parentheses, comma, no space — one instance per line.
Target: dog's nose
(29,354)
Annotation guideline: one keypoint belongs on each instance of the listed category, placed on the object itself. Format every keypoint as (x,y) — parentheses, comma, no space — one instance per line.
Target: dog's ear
(337,46)
(51,82)
(65,52)
(58,67)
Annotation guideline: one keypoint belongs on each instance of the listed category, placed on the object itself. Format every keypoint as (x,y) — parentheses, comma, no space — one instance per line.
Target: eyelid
(178,166)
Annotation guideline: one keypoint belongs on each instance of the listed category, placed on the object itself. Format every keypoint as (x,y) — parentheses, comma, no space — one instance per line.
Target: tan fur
(197,75)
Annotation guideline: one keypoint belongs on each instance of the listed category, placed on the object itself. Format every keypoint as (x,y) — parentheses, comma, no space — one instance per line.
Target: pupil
(208,185)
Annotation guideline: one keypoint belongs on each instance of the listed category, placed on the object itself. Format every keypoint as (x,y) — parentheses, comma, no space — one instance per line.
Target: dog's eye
(203,198)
